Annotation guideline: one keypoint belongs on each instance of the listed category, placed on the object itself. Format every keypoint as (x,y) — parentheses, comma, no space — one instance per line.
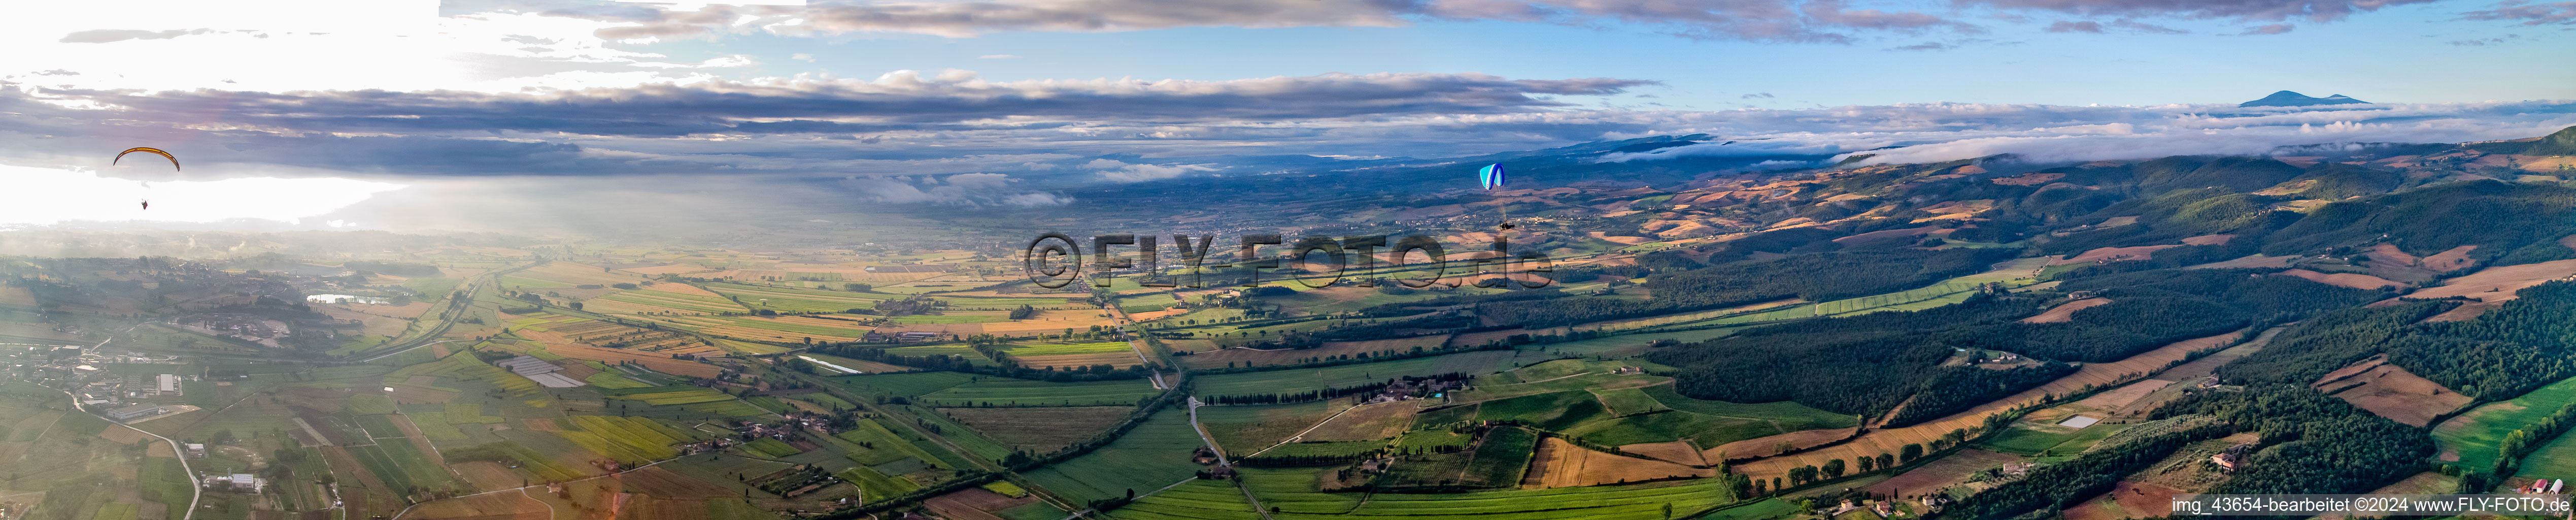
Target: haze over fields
(1279,259)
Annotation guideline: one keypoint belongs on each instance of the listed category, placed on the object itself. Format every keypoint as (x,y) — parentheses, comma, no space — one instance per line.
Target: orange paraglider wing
(174,160)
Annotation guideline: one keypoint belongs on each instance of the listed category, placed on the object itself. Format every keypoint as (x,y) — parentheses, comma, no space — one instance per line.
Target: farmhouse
(2229,460)
(169,384)
(196,451)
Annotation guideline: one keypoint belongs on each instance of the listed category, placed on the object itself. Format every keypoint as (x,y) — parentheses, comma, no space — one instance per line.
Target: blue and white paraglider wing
(1491,177)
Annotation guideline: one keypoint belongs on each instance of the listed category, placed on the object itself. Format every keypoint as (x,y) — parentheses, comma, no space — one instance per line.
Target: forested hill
(1868,364)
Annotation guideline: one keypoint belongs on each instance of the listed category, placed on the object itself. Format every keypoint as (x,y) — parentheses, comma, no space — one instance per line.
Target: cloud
(2245,10)
(809,58)
(1756,95)
(2123,25)
(965,189)
(2274,28)
(1121,171)
(2481,42)
(118,35)
(2561,13)
(1036,199)
(78,195)
(1827,21)
(897,101)
(1925,46)
(2062,26)
(1936,132)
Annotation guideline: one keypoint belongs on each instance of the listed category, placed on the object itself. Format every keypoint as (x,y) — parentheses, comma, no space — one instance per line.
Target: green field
(1196,500)
(1628,401)
(612,381)
(1293,492)
(2476,435)
(1501,459)
(943,350)
(434,426)
(1790,415)
(996,391)
(629,440)
(1704,431)
(1552,411)
(1152,455)
(2026,441)
(908,384)
(1306,379)
(1244,429)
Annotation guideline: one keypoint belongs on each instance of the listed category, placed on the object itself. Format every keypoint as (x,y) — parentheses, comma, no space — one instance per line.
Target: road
(1222,462)
(195,492)
(455,310)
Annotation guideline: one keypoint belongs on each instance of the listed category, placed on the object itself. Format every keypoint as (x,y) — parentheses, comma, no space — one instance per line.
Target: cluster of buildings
(902,337)
(246,327)
(2544,486)
(237,482)
(1407,389)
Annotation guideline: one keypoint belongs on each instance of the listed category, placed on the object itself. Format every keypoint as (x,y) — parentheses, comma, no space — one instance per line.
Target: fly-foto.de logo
(1054,260)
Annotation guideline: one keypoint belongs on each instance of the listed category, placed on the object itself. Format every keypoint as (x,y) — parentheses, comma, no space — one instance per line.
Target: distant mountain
(2293,99)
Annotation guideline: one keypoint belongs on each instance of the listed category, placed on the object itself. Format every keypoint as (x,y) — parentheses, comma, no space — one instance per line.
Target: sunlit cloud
(40,196)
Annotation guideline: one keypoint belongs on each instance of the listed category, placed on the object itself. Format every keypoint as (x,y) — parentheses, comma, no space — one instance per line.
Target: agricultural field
(2471,439)
(1154,454)
(563,275)
(1300,380)
(1195,500)
(996,391)
(1246,357)
(1562,464)
(1294,492)
(663,299)
(1116,353)
(1039,430)
(1049,321)
(797,299)
(1242,430)
(908,384)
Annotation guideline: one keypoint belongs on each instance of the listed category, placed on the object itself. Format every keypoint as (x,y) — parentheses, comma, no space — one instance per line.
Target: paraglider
(174,163)
(1491,177)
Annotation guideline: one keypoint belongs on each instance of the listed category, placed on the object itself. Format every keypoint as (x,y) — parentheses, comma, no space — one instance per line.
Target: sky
(986,102)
